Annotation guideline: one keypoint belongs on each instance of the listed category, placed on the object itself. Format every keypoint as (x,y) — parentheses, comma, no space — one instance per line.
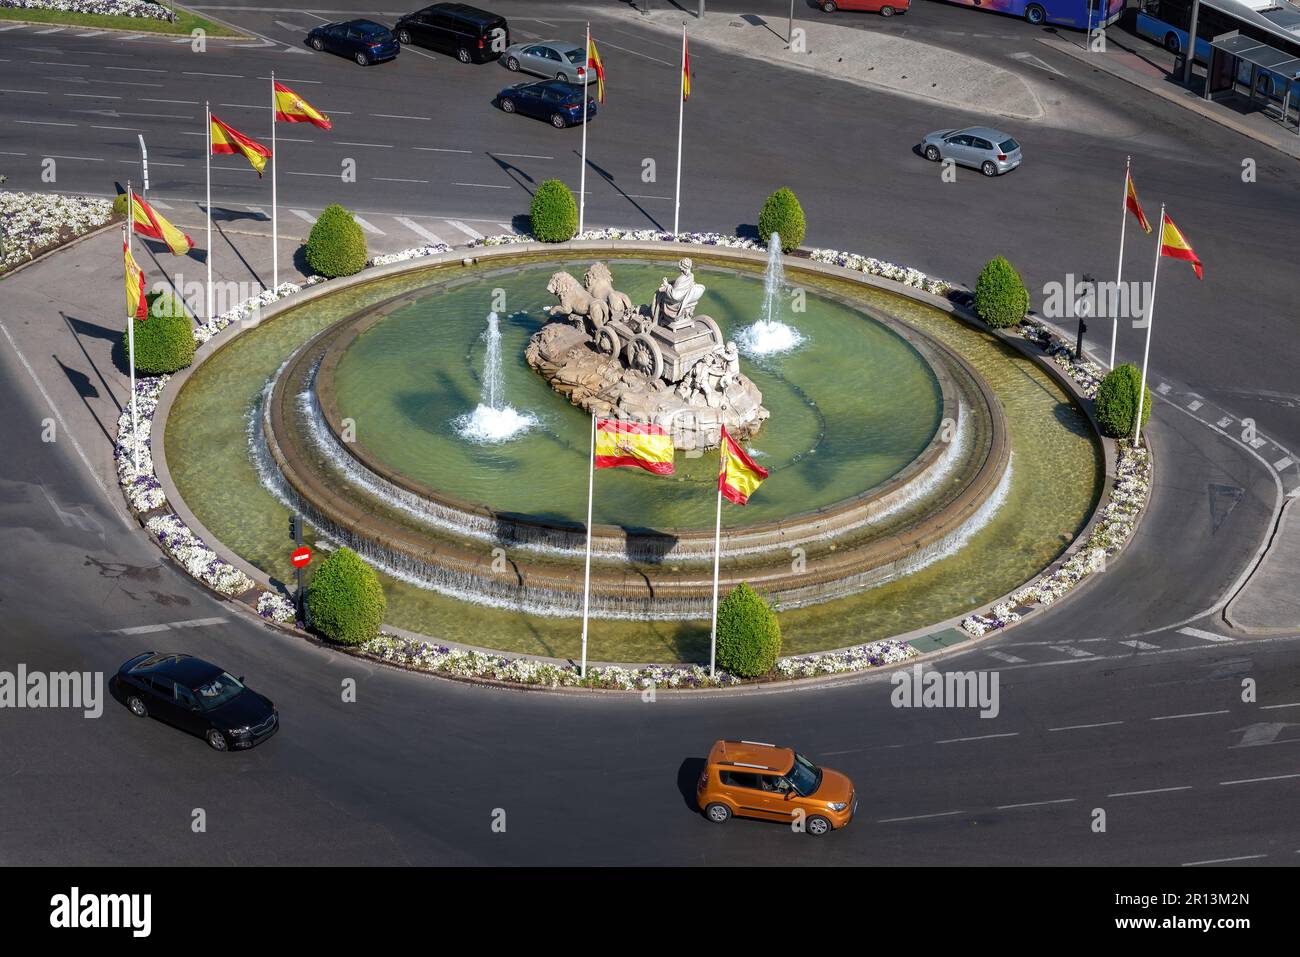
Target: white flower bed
(140,486)
(1085,373)
(140,9)
(32,223)
(196,558)
(1117,518)
(884,269)
(415,252)
(857,658)
(276,608)
(638,235)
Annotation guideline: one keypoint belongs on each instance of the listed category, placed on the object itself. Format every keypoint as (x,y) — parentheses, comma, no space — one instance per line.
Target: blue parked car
(553,100)
(365,41)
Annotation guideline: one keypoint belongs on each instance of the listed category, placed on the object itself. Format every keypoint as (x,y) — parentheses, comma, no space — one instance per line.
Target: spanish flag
(228,140)
(1173,244)
(136,304)
(291,108)
(1131,202)
(686,68)
(594,63)
(149,222)
(642,444)
(740,476)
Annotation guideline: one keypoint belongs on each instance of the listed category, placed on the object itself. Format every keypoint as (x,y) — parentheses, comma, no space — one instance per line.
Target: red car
(886,8)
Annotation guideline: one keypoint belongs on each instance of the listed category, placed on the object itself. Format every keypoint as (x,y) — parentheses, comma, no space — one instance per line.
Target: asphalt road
(1115,693)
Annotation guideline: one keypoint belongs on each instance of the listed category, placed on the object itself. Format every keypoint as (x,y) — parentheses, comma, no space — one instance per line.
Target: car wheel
(558,121)
(1171,43)
(886,11)
(507,106)
(562,76)
(829,6)
(217,740)
(513,65)
(718,813)
(932,154)
(818,825)
(988,168)
(404,37)
(1035,14)
(362,59)
(137,707)
(317,44)
(462,55)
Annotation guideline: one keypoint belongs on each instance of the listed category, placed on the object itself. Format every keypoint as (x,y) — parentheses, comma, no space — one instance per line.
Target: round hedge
(164,342)
(749,636)
(1117,401)
(119,204)
(345,601)
(336,245)
(554,213)
(782,214)
(1001,298)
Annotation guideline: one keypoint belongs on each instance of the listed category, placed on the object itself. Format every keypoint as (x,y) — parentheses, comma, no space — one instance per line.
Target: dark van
(469,34)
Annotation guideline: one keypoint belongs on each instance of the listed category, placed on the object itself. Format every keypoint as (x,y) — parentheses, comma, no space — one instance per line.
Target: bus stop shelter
(1265,75)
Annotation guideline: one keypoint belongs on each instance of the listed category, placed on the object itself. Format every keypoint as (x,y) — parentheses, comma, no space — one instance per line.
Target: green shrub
(336,245)
(164,342)
(1117,401)
(119,204)
(782,214)
(749,636)
(345,601)
(1001,298)
(554,213)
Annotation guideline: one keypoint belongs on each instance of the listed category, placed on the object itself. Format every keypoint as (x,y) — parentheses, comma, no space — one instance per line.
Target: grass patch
(186,22)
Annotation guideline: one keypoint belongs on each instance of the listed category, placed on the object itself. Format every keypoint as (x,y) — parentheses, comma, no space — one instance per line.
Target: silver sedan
(979,147)
(550,58)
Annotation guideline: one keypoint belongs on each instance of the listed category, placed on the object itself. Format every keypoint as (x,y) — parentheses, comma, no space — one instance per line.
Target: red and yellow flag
(1173,244)
(686,68)
(149,222)
(594,63)
(1131,202)
(642,444)
(136,304)
(225,139)
(291,108)
(740,476)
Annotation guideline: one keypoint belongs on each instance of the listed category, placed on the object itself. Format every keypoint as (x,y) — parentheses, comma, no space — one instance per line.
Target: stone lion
(575,300)
(600,284)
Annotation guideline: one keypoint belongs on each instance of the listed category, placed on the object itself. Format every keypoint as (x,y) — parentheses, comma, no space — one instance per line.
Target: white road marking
(1008,807)
(1271,707)
(88,159)
(1193,714)
(395,179)
(1035,61)
(289,79)
(483,185)
(438,149)
(228,76)
(1283,464)
(1203,635)
(367,226)
(33,92)
(1120,794)
(135,69)
(15,26)
(528,156)
(94,96)
(1081,727)
(467,230)
(917,817)
(246,106)
(303,215)
(94,33)
(1163,388)
(127,129)
(419,230)
(9,153)
(1195,404)
(154,99)
(154,163)
(399,116)
(51,30)
(1072,651)
(167,626)
(1003,656)
(981,737)
(1258,442)
(289,26)
(378,146)
(614,46)
(290,172)
(1224,422)
(1225,860)
(1275,777)
(57,63)
(42,123)
(158,203)
(1139,645)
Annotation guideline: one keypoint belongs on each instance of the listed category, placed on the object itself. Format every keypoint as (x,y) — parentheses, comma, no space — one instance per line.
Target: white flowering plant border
(195,557)
(140,9)
(636,235)
(1087,375)
(884,269)
(277,608)
(34,223)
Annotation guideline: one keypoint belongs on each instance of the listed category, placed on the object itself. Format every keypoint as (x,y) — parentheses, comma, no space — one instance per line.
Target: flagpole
(207,110)
(717,553)
(582,181)
(1119,271)
(1146,349)
(275,209)
(130,336)
(586,577)
(681,112)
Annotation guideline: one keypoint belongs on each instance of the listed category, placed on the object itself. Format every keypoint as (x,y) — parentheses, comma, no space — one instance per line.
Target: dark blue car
(365,41)
(553,100)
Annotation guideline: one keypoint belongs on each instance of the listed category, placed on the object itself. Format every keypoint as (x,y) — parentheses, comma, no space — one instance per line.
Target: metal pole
(130,339)
(717,554)
(701,14)
(1146,349)
(275,206)
(144,169)
(681,113)
(582,180)
(789,30)
(208,256)
(1119,270)
(586,575)
(1190,55)
(297,569)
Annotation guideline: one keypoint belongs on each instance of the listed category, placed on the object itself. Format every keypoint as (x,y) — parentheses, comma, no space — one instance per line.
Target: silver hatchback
(988,150)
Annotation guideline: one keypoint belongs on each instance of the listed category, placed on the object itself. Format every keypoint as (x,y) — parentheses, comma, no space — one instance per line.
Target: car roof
(557,44)
(185,669)
(752,755)
(986,133)
(561,86)
(466,11)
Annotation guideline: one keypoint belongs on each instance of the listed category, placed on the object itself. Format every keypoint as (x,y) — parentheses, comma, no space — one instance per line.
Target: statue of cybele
(675,302)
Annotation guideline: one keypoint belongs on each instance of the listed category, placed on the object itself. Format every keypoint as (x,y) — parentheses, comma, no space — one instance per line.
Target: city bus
(1080,14)
(1273,22)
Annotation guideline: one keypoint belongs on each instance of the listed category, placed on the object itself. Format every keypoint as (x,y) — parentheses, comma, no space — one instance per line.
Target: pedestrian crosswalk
(1006,651)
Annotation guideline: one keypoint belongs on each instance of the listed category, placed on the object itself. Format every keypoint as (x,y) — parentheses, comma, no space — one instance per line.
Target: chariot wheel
(713,328)
(608,342)
(643,355)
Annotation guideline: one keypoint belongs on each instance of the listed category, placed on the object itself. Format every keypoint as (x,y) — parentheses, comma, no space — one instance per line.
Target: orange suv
(753,779)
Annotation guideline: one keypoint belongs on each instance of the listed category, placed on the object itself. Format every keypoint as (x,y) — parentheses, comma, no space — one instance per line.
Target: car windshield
(574,55)
(1008,145)
(372,30)
(804,775)
(213,694)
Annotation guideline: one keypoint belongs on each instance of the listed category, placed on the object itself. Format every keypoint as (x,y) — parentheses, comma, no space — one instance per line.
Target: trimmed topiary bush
(782,214)
(345,601)
(164,342)
(554,213)
(336,245)
(119,204)
(1117,401)
(749,636)
(1001,298)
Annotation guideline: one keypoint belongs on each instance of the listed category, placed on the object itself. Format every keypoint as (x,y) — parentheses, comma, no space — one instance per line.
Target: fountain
(770,336)
(492,421)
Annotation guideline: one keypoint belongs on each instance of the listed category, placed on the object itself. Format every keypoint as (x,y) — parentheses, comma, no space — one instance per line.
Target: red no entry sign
(301,557)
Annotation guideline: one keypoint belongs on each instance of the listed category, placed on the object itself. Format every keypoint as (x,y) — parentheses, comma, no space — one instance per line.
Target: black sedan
(197,697)
(553,100)
(365,41)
